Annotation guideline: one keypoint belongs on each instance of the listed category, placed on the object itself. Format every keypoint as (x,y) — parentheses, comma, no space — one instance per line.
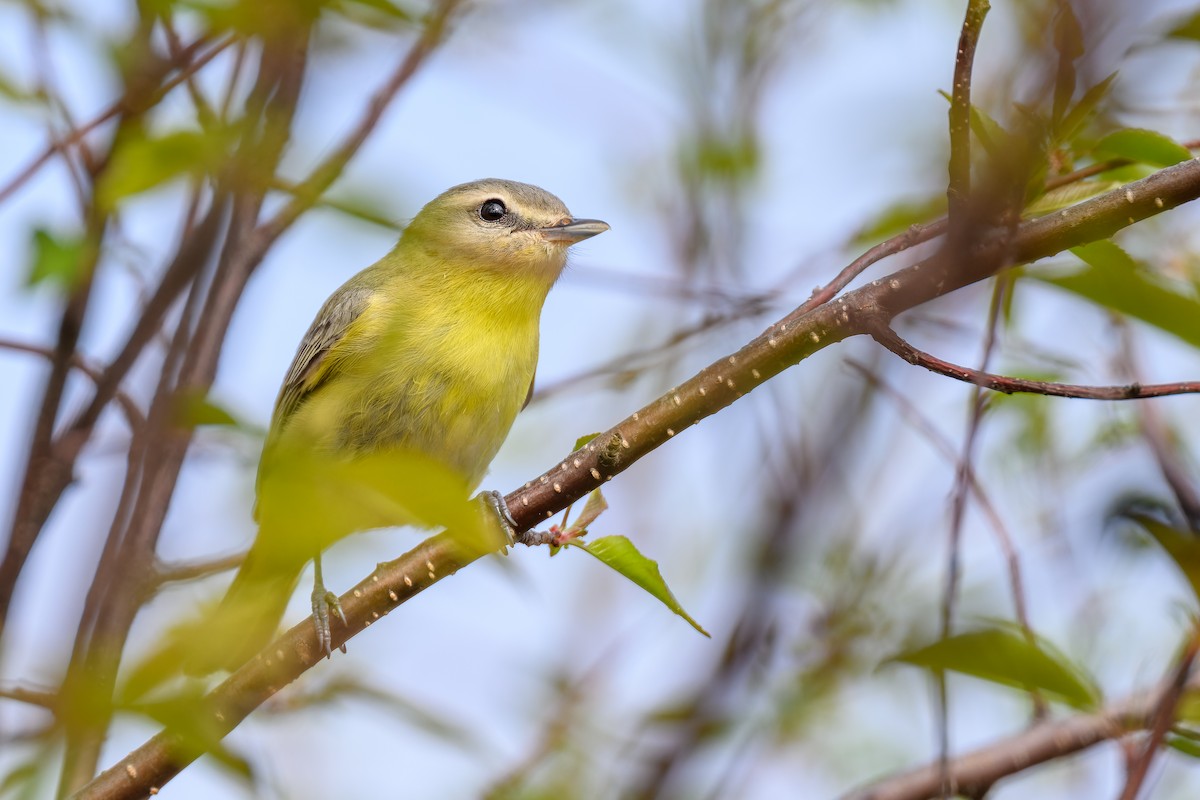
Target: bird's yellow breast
(442,369)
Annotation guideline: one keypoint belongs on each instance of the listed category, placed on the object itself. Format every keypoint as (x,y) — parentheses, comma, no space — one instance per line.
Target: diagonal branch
(973,773)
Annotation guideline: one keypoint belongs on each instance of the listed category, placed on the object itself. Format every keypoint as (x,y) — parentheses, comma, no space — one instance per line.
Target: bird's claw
(322,602)
(495,501)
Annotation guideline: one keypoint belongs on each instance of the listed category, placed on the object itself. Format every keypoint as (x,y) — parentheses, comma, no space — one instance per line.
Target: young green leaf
(142,162)
(1182,546)
(1079,114)
(1143,146)
(619,553)
(56,259)
(1069,195)
(583,440)
(1114,280)
(1003,655)
(193,410)
(1182,744)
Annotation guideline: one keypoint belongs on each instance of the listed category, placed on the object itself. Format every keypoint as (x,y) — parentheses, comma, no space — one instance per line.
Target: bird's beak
(574,230)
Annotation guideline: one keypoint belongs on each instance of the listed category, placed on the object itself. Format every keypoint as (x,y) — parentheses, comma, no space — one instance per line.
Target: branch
(1000,383)
(783,344)
(1162,717)
(133,414)
(973,773)
(959,189)
(130,101)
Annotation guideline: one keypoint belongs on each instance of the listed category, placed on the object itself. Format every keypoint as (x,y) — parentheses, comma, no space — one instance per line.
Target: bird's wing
(315,360)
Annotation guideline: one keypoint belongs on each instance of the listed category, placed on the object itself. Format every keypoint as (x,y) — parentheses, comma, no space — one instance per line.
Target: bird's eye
(492,211)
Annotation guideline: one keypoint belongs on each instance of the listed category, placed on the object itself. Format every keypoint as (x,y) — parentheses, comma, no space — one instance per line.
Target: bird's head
(502,225)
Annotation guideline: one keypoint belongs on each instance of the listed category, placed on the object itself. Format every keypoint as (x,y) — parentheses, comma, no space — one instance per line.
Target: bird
(416,366)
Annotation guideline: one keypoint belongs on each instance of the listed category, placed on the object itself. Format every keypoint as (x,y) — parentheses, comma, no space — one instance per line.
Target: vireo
(428,354)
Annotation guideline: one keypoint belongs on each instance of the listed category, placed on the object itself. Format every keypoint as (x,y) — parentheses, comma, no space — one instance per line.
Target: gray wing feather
(330,326)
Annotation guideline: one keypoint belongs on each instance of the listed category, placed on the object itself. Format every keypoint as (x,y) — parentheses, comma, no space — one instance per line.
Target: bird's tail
(246,619)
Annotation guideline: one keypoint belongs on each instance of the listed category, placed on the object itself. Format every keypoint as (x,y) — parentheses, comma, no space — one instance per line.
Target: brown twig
(133,414)
(122,104)
(1000,383)
(1163,717)
(944,446)
(973,773)
(958,189)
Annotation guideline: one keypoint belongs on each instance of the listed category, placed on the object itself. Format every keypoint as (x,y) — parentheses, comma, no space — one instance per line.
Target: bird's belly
(459,418)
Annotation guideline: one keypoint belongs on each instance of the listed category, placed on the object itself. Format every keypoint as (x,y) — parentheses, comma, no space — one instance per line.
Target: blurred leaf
(899,217)
(1186,28)
(57,260)
(1069,195)
(20,780)
(189,715)
(11,90)
(1114,280)
(992,136)
(1068,44)
(1184,744)
(410,712)
(1181,545)
(378,14)
(193,410)
(318,498)
(732,159)
(1146,147)
(1003,655)
(1082,110)
(142,162)
(619,553)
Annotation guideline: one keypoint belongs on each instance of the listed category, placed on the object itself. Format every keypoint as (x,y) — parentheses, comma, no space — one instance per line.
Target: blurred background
(743,152)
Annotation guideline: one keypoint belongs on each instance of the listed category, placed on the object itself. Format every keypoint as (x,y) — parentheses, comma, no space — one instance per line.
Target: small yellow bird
(431,351)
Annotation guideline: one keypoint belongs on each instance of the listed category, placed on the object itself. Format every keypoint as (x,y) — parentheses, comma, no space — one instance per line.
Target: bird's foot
(322,602)
(495,501)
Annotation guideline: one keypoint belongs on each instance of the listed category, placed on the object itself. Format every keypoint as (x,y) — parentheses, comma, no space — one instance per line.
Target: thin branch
(133,414)
(1157,437)
(1163,717)
(191,570)
(122,104)
(958,190)
(973,773)
(42,698)
(322,177)
(1000,383)
(944,446)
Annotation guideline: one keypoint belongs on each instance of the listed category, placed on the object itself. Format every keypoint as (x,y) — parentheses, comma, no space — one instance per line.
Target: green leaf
(1143,146)
(1001,654)
(1114,280)
(142,162)
(619,553)
(1182,546)
(583,440)
(56,259)
(1079,114)
(1069,195)
(193,410)
(1186,28)
(992,136)
(1182,744)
